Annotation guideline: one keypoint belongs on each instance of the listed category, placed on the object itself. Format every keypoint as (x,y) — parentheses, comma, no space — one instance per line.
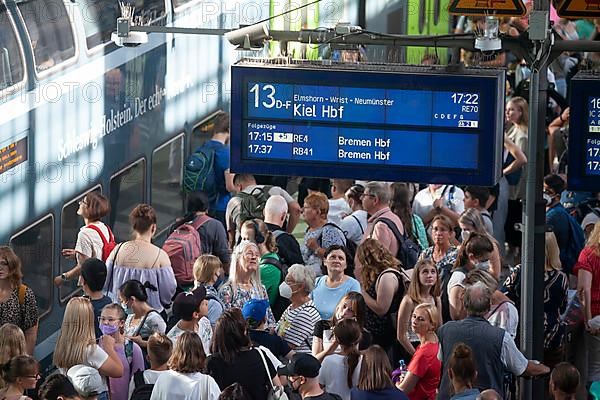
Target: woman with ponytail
(475,252)
(142,320)
(423,376)
(140,259)
(463,373)
(19,373)
(340,371)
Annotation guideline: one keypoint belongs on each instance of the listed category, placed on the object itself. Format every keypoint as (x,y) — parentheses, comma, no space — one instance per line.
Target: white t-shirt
(204,331)
(174,385)
(355,225)
(150,378)
(333,375)
(456,279)
(338,209)
(96,356)
(505,316)
(89,241)
(454,199)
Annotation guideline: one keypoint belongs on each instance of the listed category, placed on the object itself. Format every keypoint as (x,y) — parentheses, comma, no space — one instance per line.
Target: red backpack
(184,246)
(107,245)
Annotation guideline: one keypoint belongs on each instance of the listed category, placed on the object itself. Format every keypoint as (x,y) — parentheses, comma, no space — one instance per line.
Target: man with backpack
(249,203)
(385,226)
(568,232)
(207,169)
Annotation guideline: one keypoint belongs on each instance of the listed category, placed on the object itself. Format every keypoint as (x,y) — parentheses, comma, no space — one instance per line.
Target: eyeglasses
(82,201)
(367,195)
(109,320)
(36,376)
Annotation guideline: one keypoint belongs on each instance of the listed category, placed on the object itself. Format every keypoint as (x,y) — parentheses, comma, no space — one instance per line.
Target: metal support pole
(533,241)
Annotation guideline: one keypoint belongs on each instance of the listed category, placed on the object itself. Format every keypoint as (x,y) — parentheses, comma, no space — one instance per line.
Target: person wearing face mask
(112,323)
(472,221)
(568,232)
(474,253)
(298,320)
(302,373)
(142,320)
(140,259)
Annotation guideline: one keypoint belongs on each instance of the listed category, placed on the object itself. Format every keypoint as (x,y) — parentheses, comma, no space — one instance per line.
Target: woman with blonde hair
(423,288)
(244,280)
(270,266)
(18,305)
(472,221)
(76,343)
(12,344)
(185,379)
(382,286)
(207,270)
(424,371)
(374,380)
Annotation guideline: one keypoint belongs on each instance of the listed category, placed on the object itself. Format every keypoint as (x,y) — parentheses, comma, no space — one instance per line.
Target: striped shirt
(297,324)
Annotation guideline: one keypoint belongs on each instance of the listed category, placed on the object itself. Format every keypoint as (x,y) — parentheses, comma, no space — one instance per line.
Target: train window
(69,228)
(127,190)
(49,28)
(99,19)
(202,132)
(167,200)
(150,12)
(11,59)
(35,248)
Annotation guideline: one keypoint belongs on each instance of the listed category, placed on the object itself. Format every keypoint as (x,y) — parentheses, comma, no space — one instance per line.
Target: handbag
(573,315)
(276,393)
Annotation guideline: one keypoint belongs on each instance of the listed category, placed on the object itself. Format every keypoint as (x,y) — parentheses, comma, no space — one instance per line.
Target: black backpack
(408,251)
(445,274)
(349,245)
(142,390)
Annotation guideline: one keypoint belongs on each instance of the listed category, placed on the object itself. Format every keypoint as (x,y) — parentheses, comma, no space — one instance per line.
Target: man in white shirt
(338,206)
(437,199)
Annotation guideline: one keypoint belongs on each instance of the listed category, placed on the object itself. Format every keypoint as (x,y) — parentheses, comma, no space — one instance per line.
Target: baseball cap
(589,219)
(187,303)
(86,380)
(301,364)
(255,309)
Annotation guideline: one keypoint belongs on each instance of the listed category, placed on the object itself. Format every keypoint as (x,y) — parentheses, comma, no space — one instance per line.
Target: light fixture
(489,41)
(251,37)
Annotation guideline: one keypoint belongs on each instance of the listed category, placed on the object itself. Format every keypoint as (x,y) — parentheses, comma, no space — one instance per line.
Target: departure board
(409,124)
(584,133)
(13,154)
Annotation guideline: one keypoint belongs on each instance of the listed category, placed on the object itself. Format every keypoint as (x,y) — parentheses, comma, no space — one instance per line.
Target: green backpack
(252,205)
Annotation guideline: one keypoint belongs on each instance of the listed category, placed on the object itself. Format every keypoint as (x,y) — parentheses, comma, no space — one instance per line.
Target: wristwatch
(63,276)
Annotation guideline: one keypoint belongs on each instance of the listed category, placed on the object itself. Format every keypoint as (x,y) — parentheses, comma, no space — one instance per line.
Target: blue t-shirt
(221,164)
(326,298)
(385,394)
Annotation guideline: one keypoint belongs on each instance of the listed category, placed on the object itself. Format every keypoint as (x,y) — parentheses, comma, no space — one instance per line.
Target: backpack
(252,205)
(281,303)
(349,245)
(408,251)
(142,390)
(184,246)
(107,245)
(199,173)
(445,274)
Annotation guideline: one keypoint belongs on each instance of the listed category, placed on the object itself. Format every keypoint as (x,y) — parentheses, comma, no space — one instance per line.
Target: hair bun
(461,350)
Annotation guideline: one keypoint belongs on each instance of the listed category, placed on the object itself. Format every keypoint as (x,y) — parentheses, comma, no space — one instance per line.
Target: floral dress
(236,296)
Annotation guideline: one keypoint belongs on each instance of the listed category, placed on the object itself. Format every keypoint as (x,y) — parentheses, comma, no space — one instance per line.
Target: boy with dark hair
(477,197)
(93,275)
(255,314)
(191,308)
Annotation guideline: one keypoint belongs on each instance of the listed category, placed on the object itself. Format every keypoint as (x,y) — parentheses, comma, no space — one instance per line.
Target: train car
(78,113)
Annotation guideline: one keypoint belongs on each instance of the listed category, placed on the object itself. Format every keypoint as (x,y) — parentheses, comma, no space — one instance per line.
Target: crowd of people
(323,318)
(395,290)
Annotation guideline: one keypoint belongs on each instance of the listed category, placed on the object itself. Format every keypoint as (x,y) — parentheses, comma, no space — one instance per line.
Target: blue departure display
(584,133)
(418,127)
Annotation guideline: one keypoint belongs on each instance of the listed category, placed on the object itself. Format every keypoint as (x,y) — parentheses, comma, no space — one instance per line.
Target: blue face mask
(127,309)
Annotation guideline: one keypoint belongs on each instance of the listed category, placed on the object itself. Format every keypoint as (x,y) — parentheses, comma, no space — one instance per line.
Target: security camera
(124,36)
(251,37)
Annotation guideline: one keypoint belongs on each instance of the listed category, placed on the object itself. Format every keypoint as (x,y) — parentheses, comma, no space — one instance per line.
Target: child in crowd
(112,323)
(207,270)
(255,314)
(20,373)
(159,349)
(93,276)
(12,344)
(191,308)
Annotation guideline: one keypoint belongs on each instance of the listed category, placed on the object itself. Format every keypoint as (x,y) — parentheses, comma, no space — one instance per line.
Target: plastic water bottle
(399,373)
